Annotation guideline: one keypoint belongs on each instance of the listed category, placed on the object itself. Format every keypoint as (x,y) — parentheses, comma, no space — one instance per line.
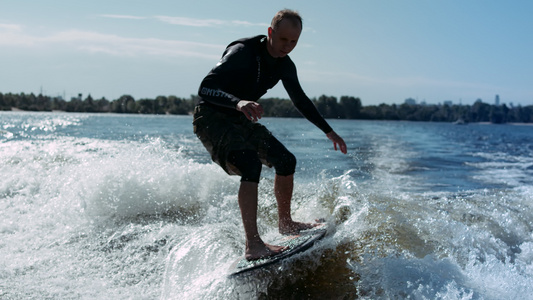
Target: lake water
(104,206)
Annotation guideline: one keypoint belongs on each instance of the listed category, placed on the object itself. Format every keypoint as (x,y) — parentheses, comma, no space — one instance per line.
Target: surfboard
(295,243)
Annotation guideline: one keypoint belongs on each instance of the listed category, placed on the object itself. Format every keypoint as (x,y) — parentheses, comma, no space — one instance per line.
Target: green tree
(371,112)
(161,105)
(3,104)
(479,112)
(124,104)
(178,106)
(145,106)
(350,107)
(328,106)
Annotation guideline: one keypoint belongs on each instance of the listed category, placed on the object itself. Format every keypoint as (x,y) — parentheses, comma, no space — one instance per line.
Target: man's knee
(248,164)
(286,164)
(282,159)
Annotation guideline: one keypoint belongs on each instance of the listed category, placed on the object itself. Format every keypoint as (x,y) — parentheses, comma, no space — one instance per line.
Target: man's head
(289,15)
(284,32)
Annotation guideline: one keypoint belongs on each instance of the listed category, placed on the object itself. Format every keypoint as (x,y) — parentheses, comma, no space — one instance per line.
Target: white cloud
(123,17)
(190,22)
(94,42)
(246,23)
(10,27)
(204,22)
(11,34)
(117,45)
(397,82)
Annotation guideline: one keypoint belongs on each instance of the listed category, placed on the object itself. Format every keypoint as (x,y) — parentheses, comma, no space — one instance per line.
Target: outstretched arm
(337,140)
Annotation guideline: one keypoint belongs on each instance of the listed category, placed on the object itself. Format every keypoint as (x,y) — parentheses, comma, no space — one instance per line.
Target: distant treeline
(346,107)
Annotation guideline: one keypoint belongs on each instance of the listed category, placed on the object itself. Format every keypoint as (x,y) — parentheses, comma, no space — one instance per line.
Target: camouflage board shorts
(222,134)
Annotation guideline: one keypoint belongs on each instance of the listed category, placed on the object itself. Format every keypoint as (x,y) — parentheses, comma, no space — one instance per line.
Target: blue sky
(379,51)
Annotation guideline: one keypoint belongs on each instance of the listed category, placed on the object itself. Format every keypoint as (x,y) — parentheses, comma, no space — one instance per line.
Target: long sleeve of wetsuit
(215,88)
(301,101)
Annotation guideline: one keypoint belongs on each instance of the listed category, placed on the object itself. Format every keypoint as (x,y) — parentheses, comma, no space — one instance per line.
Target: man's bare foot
(291,227)
(262,251)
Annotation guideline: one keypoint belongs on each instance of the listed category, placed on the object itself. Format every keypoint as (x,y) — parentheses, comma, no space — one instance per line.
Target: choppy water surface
(131,207)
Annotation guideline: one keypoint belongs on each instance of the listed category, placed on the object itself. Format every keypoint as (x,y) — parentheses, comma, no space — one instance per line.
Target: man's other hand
(337,140)
(252,110)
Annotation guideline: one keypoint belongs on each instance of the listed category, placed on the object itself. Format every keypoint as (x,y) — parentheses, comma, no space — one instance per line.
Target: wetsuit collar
(264,52)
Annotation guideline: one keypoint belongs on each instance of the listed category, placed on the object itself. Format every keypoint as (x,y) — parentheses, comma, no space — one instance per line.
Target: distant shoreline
(347,107)
(17,110)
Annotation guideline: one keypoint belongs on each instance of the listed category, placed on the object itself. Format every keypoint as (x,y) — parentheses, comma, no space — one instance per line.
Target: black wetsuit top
(246,71)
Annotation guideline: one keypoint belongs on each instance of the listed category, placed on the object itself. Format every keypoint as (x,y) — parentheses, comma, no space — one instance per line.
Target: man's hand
(252,110)
(337,140)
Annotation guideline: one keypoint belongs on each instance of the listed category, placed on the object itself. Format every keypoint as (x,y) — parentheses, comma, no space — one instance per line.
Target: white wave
(474,245)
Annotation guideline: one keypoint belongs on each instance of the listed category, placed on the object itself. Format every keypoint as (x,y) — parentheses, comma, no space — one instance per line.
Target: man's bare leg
(255,247)
(283,188)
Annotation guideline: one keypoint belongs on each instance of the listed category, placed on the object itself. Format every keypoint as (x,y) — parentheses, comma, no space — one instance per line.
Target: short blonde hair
(286,14)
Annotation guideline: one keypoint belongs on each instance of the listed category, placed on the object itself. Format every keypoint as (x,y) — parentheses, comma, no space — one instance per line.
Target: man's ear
(270,32)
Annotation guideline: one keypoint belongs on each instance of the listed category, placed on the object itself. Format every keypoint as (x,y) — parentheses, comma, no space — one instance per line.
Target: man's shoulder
(241,53)
(248,40)
(288,66)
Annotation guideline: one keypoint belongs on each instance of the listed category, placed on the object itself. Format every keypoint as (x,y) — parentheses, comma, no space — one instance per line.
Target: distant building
(410,101)
(77,98)
(448,102)
(497,100)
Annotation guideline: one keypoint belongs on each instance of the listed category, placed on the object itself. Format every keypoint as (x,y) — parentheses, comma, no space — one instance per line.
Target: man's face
(282,40)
